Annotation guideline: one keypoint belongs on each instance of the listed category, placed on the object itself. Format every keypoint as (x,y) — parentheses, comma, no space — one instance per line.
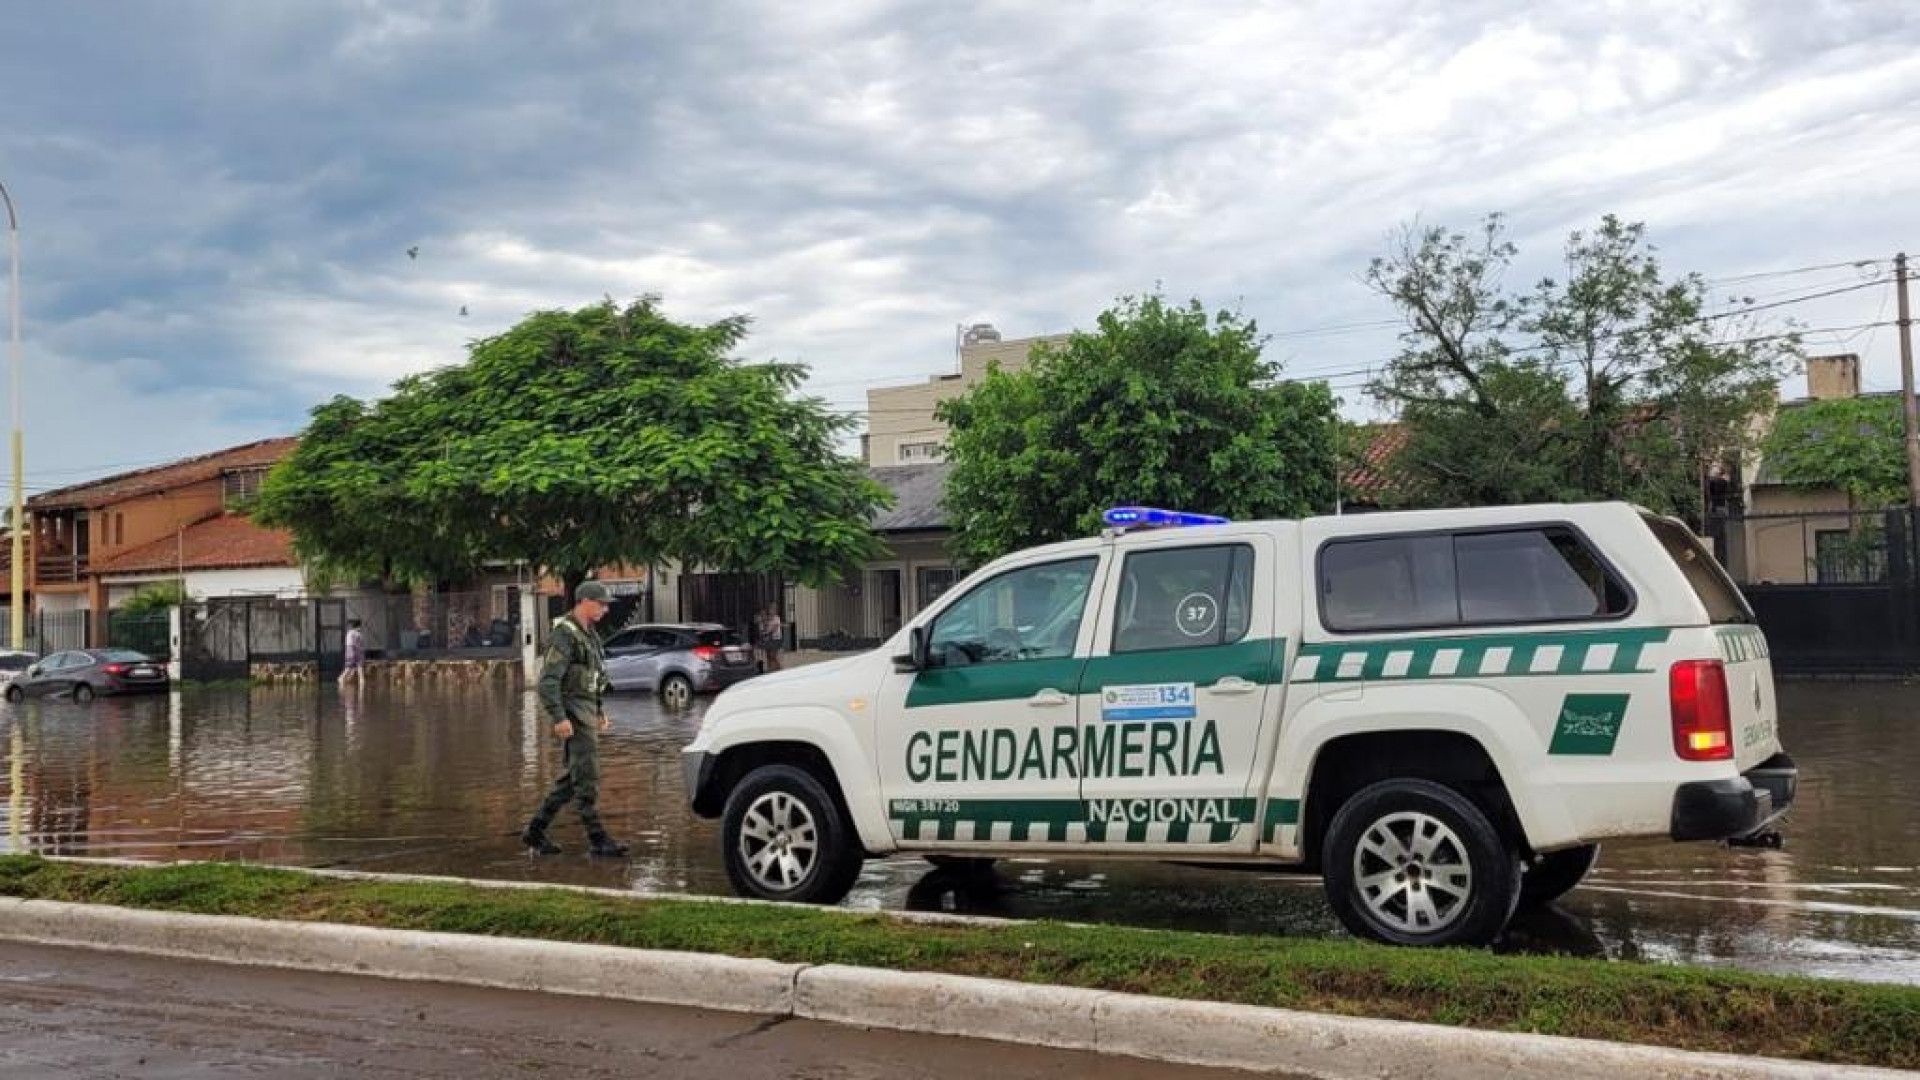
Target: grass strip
(1683,1007)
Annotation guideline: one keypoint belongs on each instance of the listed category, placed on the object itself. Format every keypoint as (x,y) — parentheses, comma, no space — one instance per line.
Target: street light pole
(18,597)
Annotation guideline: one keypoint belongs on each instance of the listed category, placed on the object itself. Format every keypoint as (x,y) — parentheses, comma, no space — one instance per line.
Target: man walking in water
(355,670)
(573,678)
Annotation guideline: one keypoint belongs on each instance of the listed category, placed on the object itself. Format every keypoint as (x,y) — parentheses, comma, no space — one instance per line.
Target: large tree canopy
(1856,445)
(575,440)
(1612,382)
(1161,405)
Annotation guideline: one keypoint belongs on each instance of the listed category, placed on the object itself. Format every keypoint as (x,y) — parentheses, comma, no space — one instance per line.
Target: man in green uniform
(573,677)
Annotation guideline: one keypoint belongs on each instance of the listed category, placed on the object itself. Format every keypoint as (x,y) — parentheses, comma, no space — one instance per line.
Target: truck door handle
(1232,686)
(1049,699)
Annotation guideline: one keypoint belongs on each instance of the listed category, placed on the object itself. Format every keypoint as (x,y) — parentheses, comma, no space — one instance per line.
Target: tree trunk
(571,580)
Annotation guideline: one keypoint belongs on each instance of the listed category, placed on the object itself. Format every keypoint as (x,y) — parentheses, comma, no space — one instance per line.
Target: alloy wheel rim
(779,841)
(1413,873)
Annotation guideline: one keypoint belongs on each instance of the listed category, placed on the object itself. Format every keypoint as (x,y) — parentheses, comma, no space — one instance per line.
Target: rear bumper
(1736,807)
(719,678)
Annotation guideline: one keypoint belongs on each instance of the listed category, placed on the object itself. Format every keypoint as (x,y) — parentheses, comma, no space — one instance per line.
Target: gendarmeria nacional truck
(1443,713)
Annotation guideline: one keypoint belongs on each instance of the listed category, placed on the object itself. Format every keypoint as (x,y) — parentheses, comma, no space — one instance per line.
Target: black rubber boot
(538,842)
(606,847)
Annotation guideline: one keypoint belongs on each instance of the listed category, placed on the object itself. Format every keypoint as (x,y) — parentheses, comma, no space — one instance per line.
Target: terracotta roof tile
(227,542)
(1367,474)
(113,489)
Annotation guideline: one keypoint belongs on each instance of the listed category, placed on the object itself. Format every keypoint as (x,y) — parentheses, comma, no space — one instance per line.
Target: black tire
(676,691)
(1415,908)
(811,814)
(82,693)
(962,864)
(15,694)
(1555,874)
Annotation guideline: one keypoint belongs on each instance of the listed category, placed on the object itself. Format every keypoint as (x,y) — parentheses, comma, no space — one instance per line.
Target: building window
(1849,556)
(919,451)
(241,486)
(119,530)
(934,583)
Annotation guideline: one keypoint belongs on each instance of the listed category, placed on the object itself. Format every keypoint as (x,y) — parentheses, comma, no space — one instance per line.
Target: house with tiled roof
(92,546)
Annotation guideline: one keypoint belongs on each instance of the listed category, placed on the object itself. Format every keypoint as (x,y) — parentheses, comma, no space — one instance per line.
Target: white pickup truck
(1444,713)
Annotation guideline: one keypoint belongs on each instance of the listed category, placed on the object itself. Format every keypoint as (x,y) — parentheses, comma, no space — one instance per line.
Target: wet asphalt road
(440,781)
(68,1014)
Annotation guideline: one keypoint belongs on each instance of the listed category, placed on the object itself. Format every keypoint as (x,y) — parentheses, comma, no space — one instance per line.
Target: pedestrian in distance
(573,682)
(773,634)
(355,670)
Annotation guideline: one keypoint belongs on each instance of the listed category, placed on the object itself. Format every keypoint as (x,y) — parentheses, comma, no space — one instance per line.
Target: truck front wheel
(1412,862)
(787,840)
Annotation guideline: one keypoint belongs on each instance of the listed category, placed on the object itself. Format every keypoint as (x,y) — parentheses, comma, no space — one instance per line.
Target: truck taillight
(1702,721)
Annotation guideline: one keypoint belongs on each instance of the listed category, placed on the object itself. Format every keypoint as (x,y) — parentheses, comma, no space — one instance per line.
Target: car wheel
(15,694)
(1412,862)
(676,691)
(1555,874)
(787,840)
(82,693)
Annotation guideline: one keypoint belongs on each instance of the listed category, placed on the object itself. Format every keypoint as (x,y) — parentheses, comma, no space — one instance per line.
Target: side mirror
(916,657)
(33,672)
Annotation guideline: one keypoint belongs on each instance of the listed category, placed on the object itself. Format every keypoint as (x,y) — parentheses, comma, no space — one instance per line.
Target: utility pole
(1906,381)
(17,599)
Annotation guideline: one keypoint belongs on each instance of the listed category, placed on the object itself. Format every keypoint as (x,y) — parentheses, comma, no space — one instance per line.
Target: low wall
(399,672)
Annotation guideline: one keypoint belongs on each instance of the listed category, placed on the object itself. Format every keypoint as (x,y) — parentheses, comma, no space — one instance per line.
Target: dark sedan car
(88,673)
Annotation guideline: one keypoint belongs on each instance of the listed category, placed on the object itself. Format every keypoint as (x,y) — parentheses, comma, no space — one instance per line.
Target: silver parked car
(678,660)
(13,663)
(88,673)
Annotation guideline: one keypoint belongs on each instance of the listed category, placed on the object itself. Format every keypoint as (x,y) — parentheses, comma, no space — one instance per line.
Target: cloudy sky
(218,199)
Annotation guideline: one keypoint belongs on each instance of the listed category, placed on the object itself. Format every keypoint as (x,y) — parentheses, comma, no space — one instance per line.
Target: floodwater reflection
(440,780)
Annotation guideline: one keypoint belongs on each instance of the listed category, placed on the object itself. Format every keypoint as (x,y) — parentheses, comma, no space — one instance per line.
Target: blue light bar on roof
(1147,517)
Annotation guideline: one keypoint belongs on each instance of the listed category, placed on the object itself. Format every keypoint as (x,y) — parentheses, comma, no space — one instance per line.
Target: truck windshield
(1716,590)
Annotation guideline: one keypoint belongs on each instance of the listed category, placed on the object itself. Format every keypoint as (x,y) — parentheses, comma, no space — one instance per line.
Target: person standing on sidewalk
(773,635)
(355,670)
(573,679)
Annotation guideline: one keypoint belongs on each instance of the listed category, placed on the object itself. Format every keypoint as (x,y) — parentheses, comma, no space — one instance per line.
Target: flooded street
(439,781)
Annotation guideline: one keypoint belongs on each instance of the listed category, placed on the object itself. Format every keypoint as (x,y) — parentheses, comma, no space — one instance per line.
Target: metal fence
(148,632)
(436,624)
(48,631)
(223,639)
(1836,592)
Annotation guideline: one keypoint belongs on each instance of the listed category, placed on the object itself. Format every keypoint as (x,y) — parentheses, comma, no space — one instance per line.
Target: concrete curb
(699,980)
(1158,1029)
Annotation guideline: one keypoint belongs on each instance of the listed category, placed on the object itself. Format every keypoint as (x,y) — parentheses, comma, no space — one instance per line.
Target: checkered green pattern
(1742,644)
(1074,821)
(1584,652)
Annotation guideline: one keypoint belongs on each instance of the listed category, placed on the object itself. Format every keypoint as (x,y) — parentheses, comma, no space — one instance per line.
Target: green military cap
(593,590)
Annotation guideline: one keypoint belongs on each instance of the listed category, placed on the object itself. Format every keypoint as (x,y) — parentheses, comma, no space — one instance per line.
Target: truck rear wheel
(1554,874)
(1412,862)
(786,839)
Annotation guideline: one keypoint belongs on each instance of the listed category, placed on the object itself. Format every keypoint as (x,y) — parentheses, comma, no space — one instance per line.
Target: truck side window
(1032,613)
(1527,574)
(1184,598)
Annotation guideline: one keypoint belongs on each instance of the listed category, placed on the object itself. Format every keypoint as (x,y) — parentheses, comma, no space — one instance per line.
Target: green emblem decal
(1589,724)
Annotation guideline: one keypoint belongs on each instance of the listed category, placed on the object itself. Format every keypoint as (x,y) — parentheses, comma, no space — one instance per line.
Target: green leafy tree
(580,439)
(1856,445)
(1613,382)
(1160,405)
(154,599)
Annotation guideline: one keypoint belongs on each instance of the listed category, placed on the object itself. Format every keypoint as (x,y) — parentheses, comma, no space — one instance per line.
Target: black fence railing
(1837,592)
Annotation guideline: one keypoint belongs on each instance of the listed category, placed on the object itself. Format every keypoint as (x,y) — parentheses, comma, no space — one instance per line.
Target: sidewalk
(73,1013)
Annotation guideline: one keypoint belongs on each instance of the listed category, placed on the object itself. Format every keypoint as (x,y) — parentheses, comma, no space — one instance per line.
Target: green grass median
(1689,1008)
